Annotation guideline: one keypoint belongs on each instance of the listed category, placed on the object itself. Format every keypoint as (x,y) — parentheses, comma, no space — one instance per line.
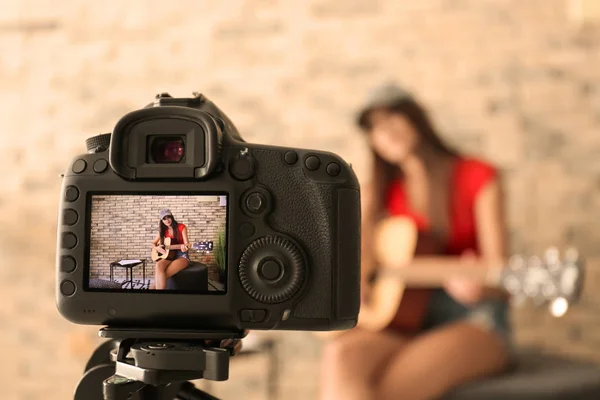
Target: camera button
(246,315)
(256,202)
(247,229)
(68,264)
(312,163)
(253,315)
(69,240)
(79,166)
(270,270)
(260,315)
(333,169)
(70,217)
(242,168)
(100,166)
(290,157)
(72,193)
(67,288)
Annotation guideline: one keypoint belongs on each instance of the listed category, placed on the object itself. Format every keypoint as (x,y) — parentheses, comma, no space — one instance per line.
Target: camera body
(273,233)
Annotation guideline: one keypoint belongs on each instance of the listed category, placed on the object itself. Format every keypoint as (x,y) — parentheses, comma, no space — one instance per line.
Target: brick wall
(509,80)
(124,228)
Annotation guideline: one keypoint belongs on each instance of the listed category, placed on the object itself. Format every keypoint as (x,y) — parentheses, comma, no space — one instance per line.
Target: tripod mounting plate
(169,334)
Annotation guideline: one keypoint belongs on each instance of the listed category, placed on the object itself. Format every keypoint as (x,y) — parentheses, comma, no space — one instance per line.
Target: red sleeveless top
(468,178)
(178,238)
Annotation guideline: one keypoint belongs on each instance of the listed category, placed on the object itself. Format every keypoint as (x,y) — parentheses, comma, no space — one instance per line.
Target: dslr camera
(174,221)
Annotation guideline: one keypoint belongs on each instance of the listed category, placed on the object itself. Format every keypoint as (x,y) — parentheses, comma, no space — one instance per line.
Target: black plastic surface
(347,293)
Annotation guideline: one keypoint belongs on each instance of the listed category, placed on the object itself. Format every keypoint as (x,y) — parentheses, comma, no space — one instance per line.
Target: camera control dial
(272,269)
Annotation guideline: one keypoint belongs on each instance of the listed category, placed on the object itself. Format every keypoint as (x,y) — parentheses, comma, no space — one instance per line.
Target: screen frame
(87,247)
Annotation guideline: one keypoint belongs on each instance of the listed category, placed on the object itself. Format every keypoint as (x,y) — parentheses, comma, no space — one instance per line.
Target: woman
(441,338)
(164,269)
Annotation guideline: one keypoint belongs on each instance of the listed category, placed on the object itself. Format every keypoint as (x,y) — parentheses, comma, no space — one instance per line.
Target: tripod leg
(90,384)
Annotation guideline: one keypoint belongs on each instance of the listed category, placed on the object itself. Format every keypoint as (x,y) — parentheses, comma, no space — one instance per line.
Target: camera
(173,220)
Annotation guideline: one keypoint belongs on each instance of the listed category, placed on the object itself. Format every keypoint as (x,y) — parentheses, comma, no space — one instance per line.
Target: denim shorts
(181,254)
(490,314)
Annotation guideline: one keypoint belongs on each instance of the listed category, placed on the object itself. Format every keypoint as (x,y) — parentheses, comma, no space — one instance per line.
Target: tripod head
(148,364)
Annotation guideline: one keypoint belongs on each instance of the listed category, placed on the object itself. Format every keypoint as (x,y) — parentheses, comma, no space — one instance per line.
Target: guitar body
(168,255)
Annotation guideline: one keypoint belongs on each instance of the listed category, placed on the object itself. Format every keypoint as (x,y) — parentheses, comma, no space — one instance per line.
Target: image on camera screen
(156,243)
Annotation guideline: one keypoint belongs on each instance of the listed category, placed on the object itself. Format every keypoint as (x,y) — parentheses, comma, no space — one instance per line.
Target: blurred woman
(440,338)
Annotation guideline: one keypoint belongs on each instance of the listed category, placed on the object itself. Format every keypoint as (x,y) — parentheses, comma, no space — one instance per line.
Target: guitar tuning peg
(512,284)
(549,290)
(559,307)
(530,290)
(572,255)
(552,255)
(534,262)
(516,262)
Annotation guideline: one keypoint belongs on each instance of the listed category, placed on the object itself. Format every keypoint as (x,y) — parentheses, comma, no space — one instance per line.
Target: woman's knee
(161,266)
(346,353)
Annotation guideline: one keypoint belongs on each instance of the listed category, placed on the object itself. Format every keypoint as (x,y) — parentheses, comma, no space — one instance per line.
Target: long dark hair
(384,172)
(162,229)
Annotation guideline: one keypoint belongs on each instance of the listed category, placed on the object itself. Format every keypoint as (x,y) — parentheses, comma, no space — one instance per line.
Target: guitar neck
(175,246)
(435,272)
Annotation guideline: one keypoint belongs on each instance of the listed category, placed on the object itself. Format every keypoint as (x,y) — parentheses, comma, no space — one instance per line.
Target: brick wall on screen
(124,228)
(513,81)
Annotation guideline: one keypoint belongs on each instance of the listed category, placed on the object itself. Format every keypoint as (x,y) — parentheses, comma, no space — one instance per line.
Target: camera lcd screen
(157,243)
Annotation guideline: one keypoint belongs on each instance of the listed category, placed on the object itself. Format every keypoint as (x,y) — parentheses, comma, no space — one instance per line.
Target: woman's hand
(464,290)
(233,345)
(159,249)
(184,248)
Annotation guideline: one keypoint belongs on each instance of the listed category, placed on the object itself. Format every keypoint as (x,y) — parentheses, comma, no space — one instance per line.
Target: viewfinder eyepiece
(165,150)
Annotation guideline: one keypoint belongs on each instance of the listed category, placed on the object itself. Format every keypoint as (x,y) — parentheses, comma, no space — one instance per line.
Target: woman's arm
(491,229)
(490,221)
(184,234)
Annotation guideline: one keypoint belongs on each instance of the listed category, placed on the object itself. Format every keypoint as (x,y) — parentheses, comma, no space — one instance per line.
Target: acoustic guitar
(170,250)
(547,279)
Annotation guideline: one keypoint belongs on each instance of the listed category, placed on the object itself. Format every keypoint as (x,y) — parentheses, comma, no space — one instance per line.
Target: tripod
(148,364)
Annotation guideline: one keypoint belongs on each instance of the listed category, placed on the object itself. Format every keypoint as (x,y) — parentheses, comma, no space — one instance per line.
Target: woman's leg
(177,265)
(437,361)
(353,362)
(160,281)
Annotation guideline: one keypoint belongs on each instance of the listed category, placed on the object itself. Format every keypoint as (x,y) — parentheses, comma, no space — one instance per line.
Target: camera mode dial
(272,269)
(98,143)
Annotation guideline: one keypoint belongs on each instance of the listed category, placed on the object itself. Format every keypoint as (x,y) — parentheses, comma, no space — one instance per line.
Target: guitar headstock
(548,279)
(204,246)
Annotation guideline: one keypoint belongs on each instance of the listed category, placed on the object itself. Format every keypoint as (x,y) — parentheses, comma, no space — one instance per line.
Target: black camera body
(279,228)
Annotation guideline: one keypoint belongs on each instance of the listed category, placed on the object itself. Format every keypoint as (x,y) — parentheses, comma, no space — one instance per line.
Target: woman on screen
(178,258)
